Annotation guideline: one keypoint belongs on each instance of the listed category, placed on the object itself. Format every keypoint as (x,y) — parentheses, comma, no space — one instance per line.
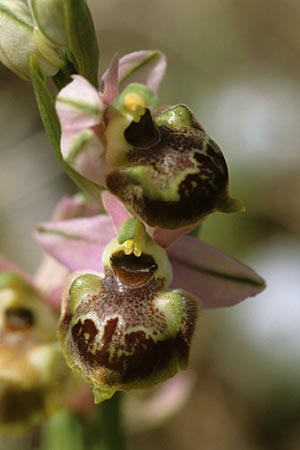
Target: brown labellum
(125,330)
(174,182)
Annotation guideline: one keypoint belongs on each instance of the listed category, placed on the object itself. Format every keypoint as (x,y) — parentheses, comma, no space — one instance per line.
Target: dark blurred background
(236,63)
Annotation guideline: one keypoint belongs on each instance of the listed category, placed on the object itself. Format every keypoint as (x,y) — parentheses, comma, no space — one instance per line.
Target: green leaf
(52,126)
(81,39)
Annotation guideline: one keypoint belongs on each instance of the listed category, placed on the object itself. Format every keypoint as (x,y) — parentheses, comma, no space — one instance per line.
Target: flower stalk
(112,435)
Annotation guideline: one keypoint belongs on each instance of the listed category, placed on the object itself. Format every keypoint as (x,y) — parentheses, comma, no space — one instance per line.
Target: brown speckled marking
(135,360)
(83,334)
(177,151)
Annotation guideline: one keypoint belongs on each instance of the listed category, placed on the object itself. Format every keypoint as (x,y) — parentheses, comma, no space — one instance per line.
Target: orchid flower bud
(32,368)
(50,19)
(68,24)
(18,40)
(179,178)
(125,329)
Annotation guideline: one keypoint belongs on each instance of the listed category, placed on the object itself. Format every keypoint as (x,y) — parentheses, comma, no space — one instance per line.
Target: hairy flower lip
(174,183)
(124,338)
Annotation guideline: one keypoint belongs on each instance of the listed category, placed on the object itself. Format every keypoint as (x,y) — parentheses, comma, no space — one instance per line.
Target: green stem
(110,433)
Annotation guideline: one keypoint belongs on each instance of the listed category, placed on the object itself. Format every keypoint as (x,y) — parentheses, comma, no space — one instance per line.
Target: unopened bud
(50,20)
(17,41)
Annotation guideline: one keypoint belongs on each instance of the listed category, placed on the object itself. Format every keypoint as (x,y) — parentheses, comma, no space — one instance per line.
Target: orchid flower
(158,161)
(33,372)
(108,328)
(82,110)
(125,329)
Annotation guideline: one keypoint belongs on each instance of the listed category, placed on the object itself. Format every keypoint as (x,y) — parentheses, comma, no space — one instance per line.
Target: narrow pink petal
(73,206)
(109,88)
(145,66)
(50,276)
(85,153)
(78,243)
(78,105)
(115,209)
(216,278)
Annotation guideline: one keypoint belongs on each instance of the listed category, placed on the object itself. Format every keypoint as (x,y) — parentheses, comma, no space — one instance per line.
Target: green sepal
(51,123)
(81,39)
